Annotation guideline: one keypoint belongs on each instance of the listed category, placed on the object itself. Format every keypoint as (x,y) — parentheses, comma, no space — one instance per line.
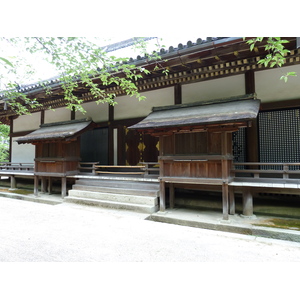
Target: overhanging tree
(77,61)
(276,53)
(4,142)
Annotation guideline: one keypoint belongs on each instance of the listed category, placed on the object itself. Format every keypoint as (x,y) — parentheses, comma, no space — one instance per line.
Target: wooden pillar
(162,202)
(177,94)
(110,135)
(43,185)
(251,132)
(225,201)
(171,195)
(63,187)
(225,172)
(49,185)
(13,184)
(42,121)
(73,114)
(11,125)
(36,185)
(247,203)
(231,201)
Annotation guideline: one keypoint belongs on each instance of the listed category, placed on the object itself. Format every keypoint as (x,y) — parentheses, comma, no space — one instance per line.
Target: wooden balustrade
(266,170)
(143,168)
(88,167)
(8,166)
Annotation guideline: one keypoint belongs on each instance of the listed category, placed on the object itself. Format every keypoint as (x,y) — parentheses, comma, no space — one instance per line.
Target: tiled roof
(57,131)
(55,81)
(213,112)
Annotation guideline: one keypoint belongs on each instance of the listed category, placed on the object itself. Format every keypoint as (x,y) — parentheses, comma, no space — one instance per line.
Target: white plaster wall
(270,88)
(57,115)
(98,113)
(22,153)
(214,89)
(131,107)
(27,122)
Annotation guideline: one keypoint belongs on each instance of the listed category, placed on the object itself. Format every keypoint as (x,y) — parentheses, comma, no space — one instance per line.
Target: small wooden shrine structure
(57,151)
(195,143)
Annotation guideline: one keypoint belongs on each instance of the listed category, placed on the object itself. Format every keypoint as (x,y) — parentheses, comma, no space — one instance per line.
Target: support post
(63,187)
(36,185)
(162,202)
(43,185)
(225,200)
(172,190)
(13,184)
(247,203)
(49,185)
(231,201)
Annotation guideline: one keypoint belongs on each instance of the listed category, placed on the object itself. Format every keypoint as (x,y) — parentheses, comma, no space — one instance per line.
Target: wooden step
(119,184)
(116,205)
(117,190)
(114,197)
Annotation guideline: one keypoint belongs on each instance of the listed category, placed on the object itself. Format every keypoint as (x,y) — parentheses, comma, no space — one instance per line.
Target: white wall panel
(99,113)
(214,89)
(131,107)
(57,115)
(27,122)
(22,153)
(270,88)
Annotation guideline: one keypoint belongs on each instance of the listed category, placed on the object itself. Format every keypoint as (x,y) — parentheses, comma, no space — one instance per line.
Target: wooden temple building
(218,121)
(196,143)
(57,151)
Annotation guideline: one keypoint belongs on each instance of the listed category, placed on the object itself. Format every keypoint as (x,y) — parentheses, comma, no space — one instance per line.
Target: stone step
(149,200)
(120,184)
(114,190)
(116,205)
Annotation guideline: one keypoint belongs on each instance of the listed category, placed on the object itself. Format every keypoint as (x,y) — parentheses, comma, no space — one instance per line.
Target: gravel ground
(35,232)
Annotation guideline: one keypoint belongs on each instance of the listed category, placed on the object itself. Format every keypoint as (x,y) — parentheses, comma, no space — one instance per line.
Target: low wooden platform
(245,181)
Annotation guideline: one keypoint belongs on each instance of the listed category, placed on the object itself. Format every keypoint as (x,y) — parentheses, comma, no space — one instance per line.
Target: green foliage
(6,61)
(276,53)
(81,63)
(4,142)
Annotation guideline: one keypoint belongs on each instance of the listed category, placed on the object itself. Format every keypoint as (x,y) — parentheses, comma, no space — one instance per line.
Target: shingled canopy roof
(57,131)
(221,111)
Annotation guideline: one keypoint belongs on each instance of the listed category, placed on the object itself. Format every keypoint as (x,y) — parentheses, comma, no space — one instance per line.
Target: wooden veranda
(281,178)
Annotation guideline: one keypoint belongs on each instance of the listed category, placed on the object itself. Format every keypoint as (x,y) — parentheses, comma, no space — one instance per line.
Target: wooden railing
(8,166)
(150,168)
(266,170)
(88,167)
(143,168)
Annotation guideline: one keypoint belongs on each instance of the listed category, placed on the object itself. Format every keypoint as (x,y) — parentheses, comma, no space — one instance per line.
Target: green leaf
(7,61)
